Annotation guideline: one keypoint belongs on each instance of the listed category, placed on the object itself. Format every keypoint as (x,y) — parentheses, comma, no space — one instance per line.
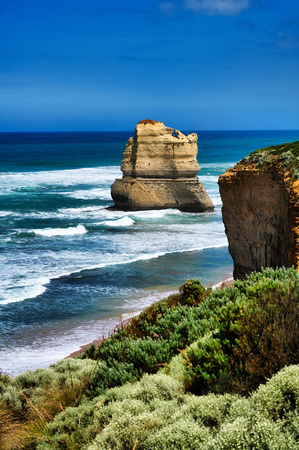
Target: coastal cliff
(260,211)
(159,171)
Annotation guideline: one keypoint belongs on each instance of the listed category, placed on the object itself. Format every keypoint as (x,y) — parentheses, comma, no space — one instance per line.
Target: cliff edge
(159,171)
(260,211)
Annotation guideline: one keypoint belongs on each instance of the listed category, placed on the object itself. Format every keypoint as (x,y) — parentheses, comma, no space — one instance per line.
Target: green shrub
(71,429)
(66,371)
(149,343)
(35,397)
(255,333)
(106,377)
(256,337)
(285,154)
(280,396)
(192,292)
(154,413)
(181,434)
(227,340)
(118,407)
(208,368)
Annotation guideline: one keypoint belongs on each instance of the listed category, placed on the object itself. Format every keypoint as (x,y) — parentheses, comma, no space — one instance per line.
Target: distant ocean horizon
(71,268)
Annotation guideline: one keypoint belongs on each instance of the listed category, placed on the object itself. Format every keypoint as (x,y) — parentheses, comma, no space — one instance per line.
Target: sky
(96,65)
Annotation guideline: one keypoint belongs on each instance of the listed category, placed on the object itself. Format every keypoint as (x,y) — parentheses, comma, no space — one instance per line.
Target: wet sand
(97,342)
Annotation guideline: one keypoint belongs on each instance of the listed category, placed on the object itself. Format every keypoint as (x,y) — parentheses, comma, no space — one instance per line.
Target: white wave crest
(71,231)
(155,213)
(84,212)
(86,194)
(93,176)
(22,290)
(123,222)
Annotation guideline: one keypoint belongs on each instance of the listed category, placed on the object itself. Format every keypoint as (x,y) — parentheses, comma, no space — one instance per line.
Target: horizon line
(130,130)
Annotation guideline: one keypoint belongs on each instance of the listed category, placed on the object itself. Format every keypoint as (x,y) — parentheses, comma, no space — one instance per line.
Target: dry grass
(10,427)
(20,430)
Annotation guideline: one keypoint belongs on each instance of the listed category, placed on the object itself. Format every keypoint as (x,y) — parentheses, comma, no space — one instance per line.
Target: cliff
(260,211)
(159,171)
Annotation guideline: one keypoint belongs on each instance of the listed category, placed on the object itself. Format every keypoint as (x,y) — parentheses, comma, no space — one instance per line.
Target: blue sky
(105,65)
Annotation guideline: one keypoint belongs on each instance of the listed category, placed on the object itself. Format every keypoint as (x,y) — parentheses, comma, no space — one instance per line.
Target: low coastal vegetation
(285,154)
(208,369)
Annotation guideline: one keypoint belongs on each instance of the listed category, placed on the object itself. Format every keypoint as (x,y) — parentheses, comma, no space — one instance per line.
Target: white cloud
(217,7)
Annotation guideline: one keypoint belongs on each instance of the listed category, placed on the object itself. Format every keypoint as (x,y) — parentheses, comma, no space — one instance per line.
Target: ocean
(71,269)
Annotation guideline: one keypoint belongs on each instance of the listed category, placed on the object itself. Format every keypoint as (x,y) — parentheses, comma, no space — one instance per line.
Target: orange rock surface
(260,211)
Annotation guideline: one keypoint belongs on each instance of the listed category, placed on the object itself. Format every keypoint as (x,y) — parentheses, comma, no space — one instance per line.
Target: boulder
(159,171)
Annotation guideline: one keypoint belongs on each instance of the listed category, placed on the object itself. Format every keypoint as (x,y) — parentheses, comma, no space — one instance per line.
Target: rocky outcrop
(260,211)
(159,171)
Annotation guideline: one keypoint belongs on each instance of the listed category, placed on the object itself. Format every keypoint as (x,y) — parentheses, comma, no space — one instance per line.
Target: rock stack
(159,171)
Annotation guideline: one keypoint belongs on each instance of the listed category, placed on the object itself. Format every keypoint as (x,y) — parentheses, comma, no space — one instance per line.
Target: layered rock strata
(159,171)
(260,211)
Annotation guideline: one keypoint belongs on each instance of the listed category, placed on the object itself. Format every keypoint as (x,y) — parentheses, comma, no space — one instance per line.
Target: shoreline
(97,342)
(124,322)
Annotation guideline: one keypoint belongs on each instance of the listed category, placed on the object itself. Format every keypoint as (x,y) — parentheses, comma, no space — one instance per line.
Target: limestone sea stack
(260,211)
(159,171)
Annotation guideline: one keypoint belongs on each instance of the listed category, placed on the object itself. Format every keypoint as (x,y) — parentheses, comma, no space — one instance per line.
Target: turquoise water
(70,268)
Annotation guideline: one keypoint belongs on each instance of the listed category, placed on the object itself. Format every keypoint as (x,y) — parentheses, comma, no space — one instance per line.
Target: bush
(229,341)
(115,412)
(154,413)
(256,337)
(254,327)
(106,377)
(33,399)
(192,292)
(149,342)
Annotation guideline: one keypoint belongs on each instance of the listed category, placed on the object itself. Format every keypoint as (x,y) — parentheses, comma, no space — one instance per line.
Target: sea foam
(18,292)
(155,213)
(29,181)
(51,232)
(95,193)
(123,222)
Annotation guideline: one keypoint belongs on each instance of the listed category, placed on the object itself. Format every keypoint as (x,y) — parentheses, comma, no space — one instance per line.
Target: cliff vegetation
(209,369)
(286,154)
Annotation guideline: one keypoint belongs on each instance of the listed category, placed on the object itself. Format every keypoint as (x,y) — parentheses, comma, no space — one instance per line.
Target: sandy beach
(97,342)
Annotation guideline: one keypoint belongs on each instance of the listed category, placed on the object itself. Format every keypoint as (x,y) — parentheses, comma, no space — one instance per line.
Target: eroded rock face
(159,171)
(260,211)
(158,151)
